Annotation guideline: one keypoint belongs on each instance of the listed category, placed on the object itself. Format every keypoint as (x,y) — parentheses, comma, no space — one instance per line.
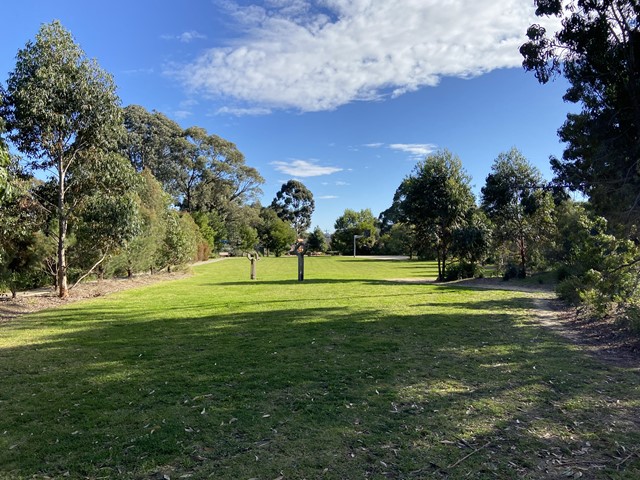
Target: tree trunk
(63,290)
(444,264)
(523,256)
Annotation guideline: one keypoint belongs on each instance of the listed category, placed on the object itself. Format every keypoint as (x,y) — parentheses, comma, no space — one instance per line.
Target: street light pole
(354,244)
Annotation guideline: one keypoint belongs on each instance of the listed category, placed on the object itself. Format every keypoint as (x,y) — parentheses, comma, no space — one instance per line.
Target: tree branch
(89,272)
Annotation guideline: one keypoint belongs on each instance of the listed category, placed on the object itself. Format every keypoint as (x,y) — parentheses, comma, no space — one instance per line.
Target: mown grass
(346,375)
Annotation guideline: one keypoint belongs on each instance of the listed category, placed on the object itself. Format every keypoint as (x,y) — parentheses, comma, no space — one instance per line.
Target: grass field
(345,376)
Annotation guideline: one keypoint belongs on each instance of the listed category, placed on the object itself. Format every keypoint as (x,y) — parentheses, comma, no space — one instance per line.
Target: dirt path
(605,340)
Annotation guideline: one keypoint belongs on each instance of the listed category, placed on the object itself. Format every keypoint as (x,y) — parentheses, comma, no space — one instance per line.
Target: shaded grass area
(346,375)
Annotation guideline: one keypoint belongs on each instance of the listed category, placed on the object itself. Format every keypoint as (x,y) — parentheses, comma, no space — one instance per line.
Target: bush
(458,271)
(513,271)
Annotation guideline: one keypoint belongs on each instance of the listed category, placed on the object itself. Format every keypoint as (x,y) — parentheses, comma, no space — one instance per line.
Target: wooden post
(253,258)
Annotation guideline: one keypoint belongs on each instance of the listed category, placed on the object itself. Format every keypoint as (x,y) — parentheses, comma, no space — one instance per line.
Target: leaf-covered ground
(346,375)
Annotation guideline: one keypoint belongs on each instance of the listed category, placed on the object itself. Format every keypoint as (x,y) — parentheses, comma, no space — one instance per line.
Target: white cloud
(342,184)
(328,197)
(241,112)
(416,150)
(186,37)
(317,55)
(304,168)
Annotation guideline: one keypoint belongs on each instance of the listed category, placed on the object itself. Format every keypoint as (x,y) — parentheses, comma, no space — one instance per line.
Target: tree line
(105,190)
(126,190)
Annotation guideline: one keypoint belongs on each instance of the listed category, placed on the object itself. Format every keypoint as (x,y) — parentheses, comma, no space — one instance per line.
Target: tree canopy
(435,198)
(62,111)
(597,50)
(294,204)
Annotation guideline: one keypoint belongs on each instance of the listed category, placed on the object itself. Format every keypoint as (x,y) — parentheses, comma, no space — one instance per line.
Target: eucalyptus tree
(62,111)
(596,50)
(152,142)
(203,172)
(294,204)
(519,208)
(436,198)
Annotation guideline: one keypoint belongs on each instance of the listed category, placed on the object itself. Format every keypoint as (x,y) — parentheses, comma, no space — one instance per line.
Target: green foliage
(275,235)
(399,239)
(294,204)
(4,173)
(435,198)
(596,50)
(602,271)
(472,241)
(355,223)
(142,253)
(203,172)
(207,232)
(521,211)
(181,240)
(22,243)
(62,111)
(317,243)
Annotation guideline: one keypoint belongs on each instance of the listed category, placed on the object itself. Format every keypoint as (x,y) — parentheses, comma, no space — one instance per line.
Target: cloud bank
(314,55)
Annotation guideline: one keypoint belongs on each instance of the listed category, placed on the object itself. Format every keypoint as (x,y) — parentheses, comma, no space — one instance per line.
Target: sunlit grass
(346,375)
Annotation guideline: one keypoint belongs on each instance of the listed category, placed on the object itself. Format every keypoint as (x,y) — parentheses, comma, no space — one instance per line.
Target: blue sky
(344,95)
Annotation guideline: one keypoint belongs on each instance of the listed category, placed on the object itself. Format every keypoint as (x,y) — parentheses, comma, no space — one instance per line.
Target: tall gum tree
(436,198)
(60,106)
(597,49)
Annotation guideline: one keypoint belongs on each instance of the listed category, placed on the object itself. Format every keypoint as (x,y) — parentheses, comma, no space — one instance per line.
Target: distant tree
(294,204)
(520,210)
(355,223)
(317,243)
(275,235)
(154,142)
(203,172)
(597,51)
(435,198)
(61,108)
(400,239)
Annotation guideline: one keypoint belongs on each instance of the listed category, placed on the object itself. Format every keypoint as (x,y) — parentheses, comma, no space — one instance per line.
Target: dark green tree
(355,223)
(435,198)
(22,242)
(597,50)
(60,109)
(275,235)
(294,204)
(317,243)
(519,208)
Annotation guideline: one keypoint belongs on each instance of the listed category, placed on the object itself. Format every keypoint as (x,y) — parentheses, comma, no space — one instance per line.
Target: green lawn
(344,376)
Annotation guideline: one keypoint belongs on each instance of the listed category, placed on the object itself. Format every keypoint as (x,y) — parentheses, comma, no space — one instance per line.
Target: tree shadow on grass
(310,392)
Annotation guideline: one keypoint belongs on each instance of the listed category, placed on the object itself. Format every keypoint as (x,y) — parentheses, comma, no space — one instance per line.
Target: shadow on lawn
(315,392)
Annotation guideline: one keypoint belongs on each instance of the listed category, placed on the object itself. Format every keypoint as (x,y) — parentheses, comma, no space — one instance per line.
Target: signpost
(300,248)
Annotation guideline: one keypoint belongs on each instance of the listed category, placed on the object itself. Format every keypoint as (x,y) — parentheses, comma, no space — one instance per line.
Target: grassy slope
(343,376)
